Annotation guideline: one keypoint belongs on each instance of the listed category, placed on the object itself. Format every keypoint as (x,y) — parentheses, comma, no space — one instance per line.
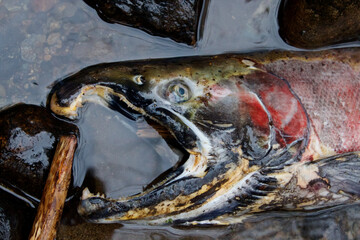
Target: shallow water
(40,44)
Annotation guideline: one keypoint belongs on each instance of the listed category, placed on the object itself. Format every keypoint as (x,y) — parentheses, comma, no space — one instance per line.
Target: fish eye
(177,92)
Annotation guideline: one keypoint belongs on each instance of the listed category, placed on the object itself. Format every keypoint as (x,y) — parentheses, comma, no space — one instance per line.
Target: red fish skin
(285,111)
(329,90)
(265,104)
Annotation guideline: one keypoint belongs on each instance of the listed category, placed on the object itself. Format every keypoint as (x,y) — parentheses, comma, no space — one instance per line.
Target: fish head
(230,115)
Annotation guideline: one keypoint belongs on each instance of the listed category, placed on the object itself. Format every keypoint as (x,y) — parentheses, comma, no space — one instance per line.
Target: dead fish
(264,131)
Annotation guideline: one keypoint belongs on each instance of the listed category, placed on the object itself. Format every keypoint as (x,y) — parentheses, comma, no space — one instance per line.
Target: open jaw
(202,189)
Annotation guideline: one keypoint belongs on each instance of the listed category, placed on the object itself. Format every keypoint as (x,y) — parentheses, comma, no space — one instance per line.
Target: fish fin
(342,172)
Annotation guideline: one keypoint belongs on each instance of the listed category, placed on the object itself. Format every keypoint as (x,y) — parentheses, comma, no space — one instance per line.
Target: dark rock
(176,19)
(318,23)
(28,138)
(16,217)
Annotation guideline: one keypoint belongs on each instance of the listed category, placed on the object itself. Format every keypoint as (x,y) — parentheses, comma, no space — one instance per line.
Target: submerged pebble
(42,5)
(31,48)
(65,10)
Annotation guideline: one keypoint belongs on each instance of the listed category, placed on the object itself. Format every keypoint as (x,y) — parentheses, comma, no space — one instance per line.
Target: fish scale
(329,106)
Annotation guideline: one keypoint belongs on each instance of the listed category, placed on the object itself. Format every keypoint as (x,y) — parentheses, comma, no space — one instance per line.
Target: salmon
(264,131)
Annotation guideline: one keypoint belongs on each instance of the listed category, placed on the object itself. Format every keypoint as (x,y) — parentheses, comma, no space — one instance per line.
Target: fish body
(264,131)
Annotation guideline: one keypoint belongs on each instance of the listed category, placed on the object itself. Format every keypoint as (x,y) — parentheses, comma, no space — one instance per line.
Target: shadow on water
(43,42)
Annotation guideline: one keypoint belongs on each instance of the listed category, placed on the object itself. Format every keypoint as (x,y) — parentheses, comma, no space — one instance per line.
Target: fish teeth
(102,195)
(87,194)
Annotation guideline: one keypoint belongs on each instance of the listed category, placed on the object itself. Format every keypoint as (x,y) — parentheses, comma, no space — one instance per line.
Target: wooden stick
(55,191)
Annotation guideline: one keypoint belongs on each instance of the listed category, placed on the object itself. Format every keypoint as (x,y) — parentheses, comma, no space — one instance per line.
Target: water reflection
(117,157)
(241,26)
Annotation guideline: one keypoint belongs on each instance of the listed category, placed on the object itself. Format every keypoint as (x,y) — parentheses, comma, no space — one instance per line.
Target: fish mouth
(150,203)
(167,193)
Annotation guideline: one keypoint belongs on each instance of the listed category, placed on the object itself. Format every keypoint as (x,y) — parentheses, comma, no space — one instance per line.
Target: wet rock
(318,23)
(5,229)
(28,135)
(16,218)
(176,19)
